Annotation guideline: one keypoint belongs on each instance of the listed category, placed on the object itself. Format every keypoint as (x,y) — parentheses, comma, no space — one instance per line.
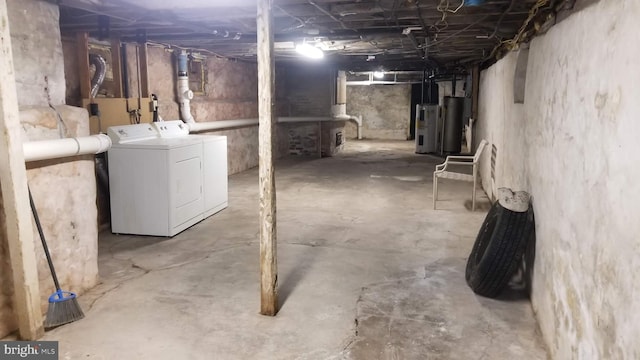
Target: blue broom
(63,305)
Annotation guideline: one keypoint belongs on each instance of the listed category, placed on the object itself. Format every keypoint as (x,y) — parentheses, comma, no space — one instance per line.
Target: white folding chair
(441,172)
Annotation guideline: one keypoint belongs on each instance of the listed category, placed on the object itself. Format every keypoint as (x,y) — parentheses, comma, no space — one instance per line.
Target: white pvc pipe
(219,125)
(339,110)
(185,95)
(341,96)
(357,119)
(227,124)
(306,119)
(59,148)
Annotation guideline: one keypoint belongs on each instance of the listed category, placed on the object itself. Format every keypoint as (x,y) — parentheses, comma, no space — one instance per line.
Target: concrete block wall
(573,144)
(385,110)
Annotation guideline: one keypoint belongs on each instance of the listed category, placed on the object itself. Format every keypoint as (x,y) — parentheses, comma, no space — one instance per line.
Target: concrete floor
(367,270)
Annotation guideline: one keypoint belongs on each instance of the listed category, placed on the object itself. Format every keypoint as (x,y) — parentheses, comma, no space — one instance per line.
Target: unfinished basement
(319,179)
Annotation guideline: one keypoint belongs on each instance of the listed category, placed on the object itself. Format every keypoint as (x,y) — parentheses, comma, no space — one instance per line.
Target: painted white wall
(502,123)
(574,142)
(445,88)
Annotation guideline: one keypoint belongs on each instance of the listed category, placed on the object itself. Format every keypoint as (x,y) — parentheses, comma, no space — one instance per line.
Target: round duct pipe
(98,77)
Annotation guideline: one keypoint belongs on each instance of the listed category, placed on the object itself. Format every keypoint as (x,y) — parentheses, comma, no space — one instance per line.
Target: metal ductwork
(98,77)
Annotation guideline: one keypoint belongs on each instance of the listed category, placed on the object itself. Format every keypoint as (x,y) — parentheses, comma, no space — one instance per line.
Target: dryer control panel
(123,134)
(171,129)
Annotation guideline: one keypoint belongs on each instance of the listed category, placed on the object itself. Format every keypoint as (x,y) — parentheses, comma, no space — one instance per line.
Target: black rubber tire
(498,250)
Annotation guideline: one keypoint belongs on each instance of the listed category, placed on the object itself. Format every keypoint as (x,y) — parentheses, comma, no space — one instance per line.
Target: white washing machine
(163,180)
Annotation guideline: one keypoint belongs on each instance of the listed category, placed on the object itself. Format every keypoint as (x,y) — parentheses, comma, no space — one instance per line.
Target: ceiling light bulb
(378,74)
(309,51)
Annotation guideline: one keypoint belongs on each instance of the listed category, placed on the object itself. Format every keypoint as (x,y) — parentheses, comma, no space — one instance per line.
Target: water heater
(452,124)
(426,128)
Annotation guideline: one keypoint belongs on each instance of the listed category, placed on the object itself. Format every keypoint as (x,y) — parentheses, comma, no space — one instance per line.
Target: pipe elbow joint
(187,94)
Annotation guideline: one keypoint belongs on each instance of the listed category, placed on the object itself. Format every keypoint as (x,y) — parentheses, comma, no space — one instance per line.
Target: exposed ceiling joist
(397,33)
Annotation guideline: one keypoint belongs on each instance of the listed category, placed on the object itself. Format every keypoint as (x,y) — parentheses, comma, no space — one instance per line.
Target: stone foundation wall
(64,190)
(64,193)
(385,110)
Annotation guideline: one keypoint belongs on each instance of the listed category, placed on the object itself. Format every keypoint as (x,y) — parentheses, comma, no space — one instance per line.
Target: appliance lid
(160,143)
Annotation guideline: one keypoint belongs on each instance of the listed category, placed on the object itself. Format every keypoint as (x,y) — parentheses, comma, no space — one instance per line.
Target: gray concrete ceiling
(396,34)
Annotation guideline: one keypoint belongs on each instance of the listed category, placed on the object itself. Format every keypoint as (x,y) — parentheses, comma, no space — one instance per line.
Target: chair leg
(473,196)
(435,190)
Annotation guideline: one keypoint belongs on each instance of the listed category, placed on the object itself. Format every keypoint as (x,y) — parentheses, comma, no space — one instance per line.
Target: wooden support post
(13,181)
(116,67)
(82,44)
(475,98)
(475,91)
(266,98)
(144,71)
(320,139)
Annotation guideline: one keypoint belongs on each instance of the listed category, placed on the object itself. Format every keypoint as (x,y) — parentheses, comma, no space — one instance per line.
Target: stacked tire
(498,249)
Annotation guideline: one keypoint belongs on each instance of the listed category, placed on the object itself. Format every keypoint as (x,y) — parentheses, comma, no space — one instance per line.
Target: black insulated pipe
(424,80)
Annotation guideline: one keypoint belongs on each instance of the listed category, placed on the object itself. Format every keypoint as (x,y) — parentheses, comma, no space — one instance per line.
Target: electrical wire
(495,31)
(532,13)
(519,37)
(439,7)
(444,7)
(459,31)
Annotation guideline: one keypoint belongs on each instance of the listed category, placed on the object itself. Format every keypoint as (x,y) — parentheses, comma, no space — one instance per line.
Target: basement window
(197,76)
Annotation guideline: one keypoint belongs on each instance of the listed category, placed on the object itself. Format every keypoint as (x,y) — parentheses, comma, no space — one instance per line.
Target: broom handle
(44,242)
